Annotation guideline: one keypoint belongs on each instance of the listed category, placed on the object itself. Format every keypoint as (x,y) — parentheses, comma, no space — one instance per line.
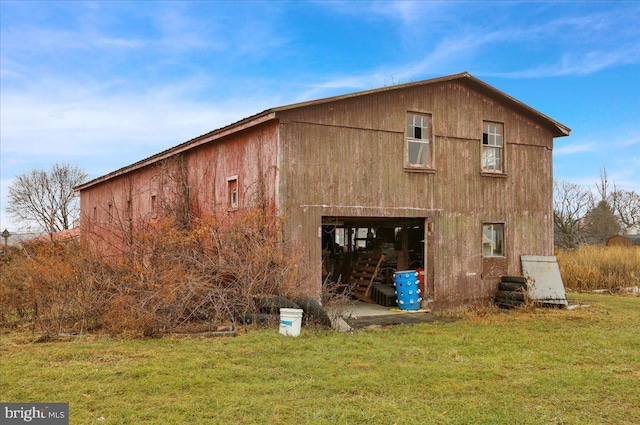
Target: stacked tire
(512,292)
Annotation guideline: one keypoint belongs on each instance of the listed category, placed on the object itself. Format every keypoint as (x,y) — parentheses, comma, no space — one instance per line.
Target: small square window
(493,147)
(419,141)
(492,240)
(232,192)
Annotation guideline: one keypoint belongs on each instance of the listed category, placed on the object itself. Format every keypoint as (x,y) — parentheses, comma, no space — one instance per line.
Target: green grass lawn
(532,366)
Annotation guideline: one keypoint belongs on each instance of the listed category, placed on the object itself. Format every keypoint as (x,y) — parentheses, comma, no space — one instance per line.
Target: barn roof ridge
(557,128)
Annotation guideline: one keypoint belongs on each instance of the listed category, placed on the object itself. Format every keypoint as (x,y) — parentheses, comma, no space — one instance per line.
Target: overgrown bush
(597,267)
(49,287)
(163,278)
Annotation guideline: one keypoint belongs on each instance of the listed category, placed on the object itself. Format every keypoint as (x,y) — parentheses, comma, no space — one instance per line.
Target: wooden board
(363,272)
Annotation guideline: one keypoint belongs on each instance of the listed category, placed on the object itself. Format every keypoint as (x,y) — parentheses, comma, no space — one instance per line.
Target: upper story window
(492,240)
(129,210)
(493,147)
(154,205)
(419,150)
(232,192)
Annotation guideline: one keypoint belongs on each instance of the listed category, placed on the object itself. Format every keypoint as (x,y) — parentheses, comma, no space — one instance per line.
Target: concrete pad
(362,315)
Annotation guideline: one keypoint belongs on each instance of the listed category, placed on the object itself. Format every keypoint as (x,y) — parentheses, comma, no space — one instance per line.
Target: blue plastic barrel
(407,290)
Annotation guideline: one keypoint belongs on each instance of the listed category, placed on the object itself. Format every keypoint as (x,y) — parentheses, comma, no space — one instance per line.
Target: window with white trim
(492,240)
(493,147)
(232,192)
(419,141)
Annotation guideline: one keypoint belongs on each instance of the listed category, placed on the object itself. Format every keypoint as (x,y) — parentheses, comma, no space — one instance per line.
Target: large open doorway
(398,242)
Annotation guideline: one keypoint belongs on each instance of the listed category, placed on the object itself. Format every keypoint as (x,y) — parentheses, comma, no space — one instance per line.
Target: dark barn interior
(361,254)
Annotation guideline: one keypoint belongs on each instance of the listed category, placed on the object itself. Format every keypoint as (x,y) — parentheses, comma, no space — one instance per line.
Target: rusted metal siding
(347,158)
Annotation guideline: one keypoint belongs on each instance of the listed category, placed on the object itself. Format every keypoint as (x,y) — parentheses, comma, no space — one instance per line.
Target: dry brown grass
(595,267)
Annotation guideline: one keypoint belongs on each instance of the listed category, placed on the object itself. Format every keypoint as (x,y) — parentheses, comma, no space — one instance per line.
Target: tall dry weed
(596,267)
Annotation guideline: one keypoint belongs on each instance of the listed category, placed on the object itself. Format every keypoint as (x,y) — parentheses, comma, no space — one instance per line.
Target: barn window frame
(418,149)
(154,206)
(129,210)
(110,212)
(493,147)
(493,240)
(233,193)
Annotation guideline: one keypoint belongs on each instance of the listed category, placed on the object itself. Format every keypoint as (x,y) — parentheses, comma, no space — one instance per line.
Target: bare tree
(571,204)
(626,207)
(602,186)
(46,198)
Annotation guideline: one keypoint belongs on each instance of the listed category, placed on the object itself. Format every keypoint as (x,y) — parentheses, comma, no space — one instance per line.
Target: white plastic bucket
(290,321)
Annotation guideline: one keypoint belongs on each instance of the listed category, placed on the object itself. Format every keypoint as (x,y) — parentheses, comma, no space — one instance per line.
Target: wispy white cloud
(619,140)
(404,12)
(581,162)
(583,43)
(58,41)
(631,139)
(586,43)
(117,81)
(410,12)
(575,148)
(179,30)
(579,63)
(94,125)
(627,175)
(452,50)
(119,42)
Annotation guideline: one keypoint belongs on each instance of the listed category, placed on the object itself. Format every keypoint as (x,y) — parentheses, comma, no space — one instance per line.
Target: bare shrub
(165,277)
(47,286)
(335,302)
(210,273)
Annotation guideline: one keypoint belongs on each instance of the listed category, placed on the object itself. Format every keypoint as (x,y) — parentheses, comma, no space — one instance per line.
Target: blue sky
(104,84)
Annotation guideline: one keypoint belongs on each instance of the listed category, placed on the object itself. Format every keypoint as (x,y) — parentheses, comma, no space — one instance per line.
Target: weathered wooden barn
(449,175)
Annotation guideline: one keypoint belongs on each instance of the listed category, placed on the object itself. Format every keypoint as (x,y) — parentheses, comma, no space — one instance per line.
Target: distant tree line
(582,216)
